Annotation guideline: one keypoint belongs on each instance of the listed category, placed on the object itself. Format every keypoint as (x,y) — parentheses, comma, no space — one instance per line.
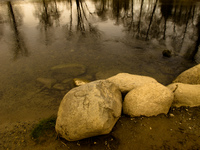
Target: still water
(103,35)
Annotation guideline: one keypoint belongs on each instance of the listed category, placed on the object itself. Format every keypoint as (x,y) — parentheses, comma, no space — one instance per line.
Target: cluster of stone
(63,77)
(93,108)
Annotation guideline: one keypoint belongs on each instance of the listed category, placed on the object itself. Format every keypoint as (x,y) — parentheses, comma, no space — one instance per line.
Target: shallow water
(128,36)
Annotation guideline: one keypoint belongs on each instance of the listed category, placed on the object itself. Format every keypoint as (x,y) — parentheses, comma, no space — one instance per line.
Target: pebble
(78,144)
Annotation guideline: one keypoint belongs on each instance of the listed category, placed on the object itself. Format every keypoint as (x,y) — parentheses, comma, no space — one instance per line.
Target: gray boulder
(190,76)
(89,110)
(127,82)
(148,100)
(185,94)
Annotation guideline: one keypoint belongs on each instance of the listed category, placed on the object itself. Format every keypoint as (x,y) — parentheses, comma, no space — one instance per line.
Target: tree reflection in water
(83,25)
(48,15)
(19,44)
(174,23)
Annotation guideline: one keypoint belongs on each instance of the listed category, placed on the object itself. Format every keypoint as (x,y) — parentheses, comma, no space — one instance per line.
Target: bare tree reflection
(166,10)
(187,21)
(102,8)
(20,47)
(48,15)
(192,52)
(139,22)
(83,26)
(153,12)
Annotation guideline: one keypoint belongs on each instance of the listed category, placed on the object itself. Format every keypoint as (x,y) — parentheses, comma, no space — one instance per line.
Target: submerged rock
(63,71)
(190,76)
(185,94)
(127,82)
(89,110)
(47,82)
(148,100)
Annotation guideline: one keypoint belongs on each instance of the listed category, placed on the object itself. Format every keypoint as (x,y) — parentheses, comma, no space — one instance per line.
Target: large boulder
(127,82)
(190,76)
(89,110)
(185,94)
(148,100)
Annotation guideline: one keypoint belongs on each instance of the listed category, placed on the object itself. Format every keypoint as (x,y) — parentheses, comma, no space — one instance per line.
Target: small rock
(171,115)
(167,53)
(79,82)
(78,144)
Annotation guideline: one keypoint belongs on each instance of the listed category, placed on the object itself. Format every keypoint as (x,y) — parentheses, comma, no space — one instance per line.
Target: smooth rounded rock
(127,82)
(185,94)
(190,76)
(148,100)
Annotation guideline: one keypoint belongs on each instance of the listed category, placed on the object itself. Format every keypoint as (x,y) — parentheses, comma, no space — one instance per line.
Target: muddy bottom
(179,129)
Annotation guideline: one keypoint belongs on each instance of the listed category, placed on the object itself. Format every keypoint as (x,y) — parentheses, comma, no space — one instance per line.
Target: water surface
(103,35)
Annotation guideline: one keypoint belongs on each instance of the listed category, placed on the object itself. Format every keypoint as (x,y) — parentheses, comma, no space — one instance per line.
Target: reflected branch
(186,26)
(20,48)
(140,16)
(151,19)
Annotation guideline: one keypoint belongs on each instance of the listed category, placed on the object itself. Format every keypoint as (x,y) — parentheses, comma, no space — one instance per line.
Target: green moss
(44,127)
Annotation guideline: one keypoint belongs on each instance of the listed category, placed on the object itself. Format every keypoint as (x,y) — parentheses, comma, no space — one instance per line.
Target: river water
(103,35)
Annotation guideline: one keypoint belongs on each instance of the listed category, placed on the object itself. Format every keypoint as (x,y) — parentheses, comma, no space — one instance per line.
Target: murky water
(103,35)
